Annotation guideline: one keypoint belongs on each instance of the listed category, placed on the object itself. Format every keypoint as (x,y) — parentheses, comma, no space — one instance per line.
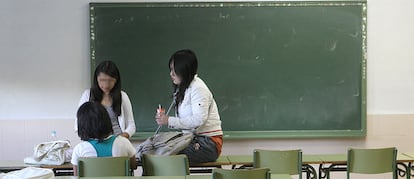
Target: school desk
(338,162)
(410,164)
(10,165)
(328,163)
(307,161)
(272,176)
(67,168)
(207,167)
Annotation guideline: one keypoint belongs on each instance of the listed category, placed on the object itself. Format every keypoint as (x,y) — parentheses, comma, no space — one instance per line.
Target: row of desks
(272,176)
(327,163)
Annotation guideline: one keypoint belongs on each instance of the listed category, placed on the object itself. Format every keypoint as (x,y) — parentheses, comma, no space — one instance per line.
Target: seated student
(196,109)
(96,133)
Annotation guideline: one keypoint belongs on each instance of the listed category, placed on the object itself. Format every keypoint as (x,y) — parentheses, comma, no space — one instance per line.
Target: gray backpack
(164,143)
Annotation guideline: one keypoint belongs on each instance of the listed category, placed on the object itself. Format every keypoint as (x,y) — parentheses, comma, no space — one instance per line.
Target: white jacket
(198,111)
(125,120)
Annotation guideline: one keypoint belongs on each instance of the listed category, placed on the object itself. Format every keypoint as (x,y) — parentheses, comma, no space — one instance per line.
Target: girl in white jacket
(106,89)
(196,109)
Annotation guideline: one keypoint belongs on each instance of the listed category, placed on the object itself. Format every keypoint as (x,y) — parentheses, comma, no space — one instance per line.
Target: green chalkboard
(276,69)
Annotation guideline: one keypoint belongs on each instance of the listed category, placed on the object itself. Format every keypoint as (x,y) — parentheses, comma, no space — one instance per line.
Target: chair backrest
(256,173)
(103,166)
(173,165)
(279,161)
(372,161)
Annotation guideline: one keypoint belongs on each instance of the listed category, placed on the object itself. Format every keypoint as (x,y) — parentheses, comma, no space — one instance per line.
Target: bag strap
(168,111)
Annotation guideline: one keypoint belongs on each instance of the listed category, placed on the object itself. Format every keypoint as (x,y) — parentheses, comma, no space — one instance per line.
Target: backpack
(164,143)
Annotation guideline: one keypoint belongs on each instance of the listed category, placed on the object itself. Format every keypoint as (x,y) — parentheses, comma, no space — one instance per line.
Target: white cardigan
(125,120)
(198,111)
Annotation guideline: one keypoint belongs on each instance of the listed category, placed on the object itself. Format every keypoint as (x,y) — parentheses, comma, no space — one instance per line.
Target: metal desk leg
(403,172)
(324,172)
(310,171)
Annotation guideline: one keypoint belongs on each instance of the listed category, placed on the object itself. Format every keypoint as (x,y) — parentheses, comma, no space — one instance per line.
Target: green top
(276,69)
(103,148)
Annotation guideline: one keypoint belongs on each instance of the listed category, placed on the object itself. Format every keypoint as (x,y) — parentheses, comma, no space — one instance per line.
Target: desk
(307,160)
(272,176)
(67,168)
(60,170)
(410,164)
(328,163)
(10,165)
(338,162)
(207,167)
(127,177)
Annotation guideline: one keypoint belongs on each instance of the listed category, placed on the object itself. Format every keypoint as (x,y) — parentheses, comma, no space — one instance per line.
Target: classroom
(45,55)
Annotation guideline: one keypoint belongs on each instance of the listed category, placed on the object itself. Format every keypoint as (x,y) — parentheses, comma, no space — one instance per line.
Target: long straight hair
(108,68)
(185,66)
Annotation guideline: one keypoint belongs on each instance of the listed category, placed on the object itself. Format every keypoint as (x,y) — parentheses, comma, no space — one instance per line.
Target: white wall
(390,57)
(44,67)
(45,57)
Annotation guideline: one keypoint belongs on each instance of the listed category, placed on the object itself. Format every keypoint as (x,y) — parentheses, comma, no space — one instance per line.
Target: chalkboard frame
(261,134)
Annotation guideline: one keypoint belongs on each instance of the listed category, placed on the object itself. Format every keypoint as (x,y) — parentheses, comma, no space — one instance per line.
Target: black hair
(93,122)
(108,68)
(185,66)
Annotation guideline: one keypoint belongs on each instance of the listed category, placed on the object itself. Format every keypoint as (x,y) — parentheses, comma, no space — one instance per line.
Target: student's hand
(124,134)
(161,119)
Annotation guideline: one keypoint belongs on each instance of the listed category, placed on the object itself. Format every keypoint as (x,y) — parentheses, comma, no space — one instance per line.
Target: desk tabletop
(63,166)
(280,176)
(240,159)
(126,177)
(272,176)
(333,158)
(14,164)
(248,159)
(315,158)
(221,160)
(410,155)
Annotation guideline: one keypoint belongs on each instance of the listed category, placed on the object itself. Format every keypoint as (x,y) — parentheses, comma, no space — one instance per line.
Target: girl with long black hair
(196,109)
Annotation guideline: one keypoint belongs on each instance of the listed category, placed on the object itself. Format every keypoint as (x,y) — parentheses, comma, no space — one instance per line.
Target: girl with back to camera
(95,131)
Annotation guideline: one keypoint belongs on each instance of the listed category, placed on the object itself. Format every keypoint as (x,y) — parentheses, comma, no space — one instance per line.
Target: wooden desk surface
(64,166)
(240,159)
(272,176)
(316,159)
(409,155)
(248,159)
(14,164)
(125,177)
(333,158)
(280,176)
(222,160)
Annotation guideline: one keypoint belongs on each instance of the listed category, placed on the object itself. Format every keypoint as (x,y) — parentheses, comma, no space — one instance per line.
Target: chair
(256,173)
(103,166)
(372,161)
(174,165)
(279,161)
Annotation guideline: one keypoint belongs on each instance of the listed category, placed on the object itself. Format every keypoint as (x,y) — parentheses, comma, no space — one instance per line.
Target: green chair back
(256,173)
(103,166)
(174,165)
(279,161)
(372,161)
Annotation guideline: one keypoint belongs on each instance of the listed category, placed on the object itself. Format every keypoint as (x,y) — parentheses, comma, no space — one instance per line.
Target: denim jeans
(201,149)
